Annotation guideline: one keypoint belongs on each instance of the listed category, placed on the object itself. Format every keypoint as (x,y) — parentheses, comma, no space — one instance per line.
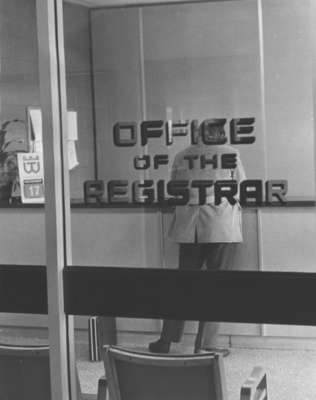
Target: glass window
(141,83)
(191,146)
(24,342)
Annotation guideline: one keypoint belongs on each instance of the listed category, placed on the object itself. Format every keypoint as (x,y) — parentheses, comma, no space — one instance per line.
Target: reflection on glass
(19,89)
(24,357)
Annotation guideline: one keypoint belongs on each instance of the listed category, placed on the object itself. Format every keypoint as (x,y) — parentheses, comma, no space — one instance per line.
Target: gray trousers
(216,257)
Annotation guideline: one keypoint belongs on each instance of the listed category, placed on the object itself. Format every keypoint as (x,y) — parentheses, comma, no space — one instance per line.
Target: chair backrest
(24,372)
(133,375)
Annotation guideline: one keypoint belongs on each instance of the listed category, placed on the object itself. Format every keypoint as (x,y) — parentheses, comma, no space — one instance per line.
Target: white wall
(117,85)
(79,91)
(203,60)
(178,62)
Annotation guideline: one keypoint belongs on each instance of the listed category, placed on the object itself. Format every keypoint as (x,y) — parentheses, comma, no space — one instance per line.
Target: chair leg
(255,387)
(102,388)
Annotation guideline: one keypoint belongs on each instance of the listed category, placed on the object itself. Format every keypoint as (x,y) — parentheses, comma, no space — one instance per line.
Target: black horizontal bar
(231,296)
(80,204)
(23,289)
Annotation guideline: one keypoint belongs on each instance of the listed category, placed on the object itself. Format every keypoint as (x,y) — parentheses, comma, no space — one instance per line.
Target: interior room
(171,65)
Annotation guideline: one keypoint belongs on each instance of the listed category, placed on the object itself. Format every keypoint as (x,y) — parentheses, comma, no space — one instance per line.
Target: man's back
(207,162)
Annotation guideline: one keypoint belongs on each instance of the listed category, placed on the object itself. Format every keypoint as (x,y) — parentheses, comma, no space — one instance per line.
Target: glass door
(190,151)
(26,342)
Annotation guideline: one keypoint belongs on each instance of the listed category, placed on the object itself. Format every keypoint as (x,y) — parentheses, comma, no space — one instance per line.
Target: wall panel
(288,94)
(117,85)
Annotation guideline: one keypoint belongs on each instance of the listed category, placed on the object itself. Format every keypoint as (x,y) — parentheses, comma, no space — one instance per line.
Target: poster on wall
(31,167)
(31,173)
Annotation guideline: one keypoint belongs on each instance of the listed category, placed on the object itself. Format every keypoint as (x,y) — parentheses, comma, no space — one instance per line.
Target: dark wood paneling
(23,289)
(244,296)
(79,203)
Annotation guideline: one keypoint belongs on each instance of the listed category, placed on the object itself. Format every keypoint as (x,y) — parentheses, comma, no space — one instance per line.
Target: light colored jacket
(206,223)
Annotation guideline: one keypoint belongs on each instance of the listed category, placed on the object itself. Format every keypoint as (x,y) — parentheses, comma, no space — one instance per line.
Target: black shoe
(222,351)
(159,346)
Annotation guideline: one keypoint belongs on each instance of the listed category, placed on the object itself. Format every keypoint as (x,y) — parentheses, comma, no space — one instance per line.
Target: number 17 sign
(31,177)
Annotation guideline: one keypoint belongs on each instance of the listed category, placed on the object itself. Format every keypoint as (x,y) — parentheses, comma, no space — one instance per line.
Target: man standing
(207,234)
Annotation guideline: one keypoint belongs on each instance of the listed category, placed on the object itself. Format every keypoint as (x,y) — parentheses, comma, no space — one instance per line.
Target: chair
(134,375)
(25,373)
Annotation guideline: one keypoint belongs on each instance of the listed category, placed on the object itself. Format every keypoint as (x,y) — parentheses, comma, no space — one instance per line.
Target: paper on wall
(72,137)
(38,146)
(72,155)
(72,129)
(36,121)
(72,125)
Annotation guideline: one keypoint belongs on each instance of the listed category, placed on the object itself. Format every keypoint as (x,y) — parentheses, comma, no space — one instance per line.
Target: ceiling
(87,3)
(111,3)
